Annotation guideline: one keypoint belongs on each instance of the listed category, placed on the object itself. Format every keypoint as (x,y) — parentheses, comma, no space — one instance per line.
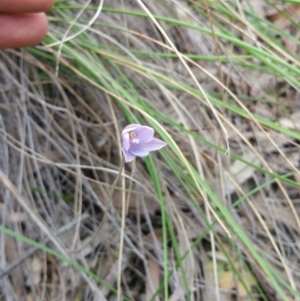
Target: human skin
(23,22)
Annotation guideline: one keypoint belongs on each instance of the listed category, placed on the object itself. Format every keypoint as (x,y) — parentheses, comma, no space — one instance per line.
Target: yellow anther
(132,135)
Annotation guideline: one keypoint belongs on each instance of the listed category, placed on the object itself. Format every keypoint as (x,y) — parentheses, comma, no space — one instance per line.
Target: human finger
(25,6)
(21,30)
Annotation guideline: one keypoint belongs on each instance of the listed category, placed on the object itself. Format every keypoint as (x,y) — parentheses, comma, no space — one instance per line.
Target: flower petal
(125,141)
(154,145)
(144,133)
(127,155)
(130,128)
(139,150)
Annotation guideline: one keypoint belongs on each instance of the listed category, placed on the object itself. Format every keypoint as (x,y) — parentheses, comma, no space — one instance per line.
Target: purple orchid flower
(138,140)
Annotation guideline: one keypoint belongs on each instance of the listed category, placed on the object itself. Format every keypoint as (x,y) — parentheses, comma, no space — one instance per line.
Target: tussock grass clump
(214,215)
